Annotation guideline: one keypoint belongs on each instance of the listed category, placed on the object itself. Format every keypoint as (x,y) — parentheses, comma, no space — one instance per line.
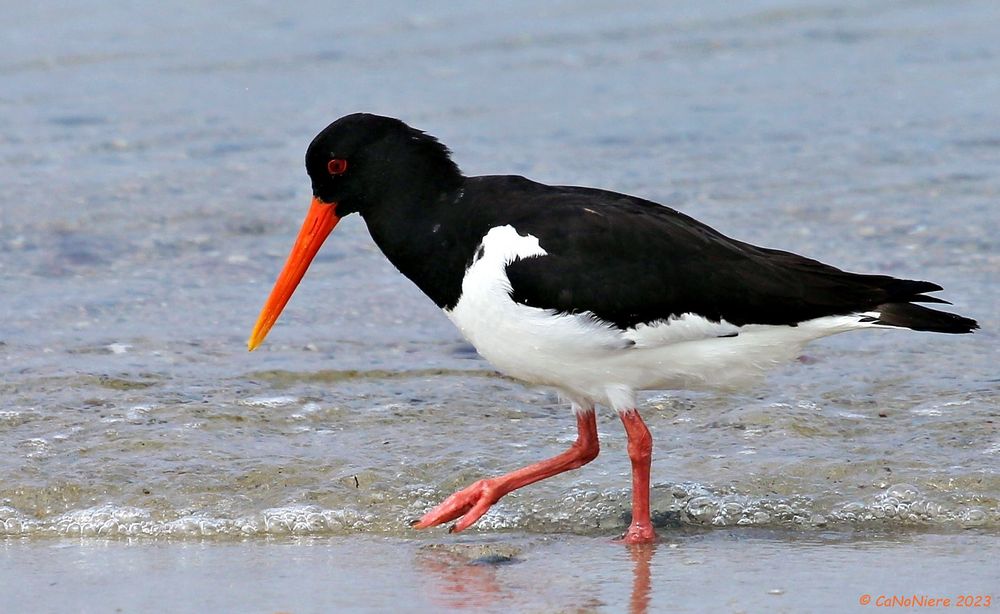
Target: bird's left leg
(472,502)
(640,452)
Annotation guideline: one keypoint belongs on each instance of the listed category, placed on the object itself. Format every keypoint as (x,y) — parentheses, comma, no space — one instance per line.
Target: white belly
(589,360)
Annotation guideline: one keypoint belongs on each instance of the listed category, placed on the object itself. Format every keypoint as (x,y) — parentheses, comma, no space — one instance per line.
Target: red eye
(337,166)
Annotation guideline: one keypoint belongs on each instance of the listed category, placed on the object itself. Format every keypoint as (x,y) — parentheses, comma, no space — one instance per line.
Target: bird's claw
(467,505)
(640,533)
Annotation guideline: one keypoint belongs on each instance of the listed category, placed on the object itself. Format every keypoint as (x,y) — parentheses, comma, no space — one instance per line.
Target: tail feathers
(917,317)
(911,291)
(905,287)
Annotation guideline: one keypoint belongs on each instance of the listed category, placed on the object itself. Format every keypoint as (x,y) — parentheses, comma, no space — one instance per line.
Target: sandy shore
(722,571)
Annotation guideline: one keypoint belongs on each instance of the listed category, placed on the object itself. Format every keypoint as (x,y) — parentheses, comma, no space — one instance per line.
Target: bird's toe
(467,505)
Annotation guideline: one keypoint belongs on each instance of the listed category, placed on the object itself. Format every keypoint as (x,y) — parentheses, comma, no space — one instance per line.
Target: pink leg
(640,452)
(473,501)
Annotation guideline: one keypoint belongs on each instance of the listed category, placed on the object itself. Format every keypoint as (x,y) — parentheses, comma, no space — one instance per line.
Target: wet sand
(700,571)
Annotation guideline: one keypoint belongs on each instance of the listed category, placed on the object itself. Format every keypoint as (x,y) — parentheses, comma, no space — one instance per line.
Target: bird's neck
(419,232)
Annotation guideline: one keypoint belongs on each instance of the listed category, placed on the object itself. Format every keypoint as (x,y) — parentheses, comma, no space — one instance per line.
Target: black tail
(918,317)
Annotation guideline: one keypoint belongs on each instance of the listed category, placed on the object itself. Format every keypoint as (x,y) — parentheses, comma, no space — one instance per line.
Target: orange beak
(320,221)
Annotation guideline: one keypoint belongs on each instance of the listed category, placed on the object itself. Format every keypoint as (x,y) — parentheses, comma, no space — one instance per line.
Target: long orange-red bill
(320,221)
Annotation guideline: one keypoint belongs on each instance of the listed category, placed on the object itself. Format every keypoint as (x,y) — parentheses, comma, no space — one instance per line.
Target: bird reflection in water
(642,581)
(461,579)
(466,576)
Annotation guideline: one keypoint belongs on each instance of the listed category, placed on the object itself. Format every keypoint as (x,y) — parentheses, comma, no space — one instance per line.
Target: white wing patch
(678,329)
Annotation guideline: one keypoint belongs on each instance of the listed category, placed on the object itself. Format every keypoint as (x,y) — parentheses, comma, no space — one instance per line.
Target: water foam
(124,521)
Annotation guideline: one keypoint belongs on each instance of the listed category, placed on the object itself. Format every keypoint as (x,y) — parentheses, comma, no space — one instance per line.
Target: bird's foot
(468,505)
(640,533)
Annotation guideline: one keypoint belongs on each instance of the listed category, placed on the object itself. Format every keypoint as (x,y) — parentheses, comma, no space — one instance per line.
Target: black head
(361,161)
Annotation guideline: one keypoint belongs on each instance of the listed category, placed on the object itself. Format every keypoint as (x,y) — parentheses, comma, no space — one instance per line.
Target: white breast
(591,361)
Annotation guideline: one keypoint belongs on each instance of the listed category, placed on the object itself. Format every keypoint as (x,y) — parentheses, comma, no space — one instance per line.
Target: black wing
(629,261)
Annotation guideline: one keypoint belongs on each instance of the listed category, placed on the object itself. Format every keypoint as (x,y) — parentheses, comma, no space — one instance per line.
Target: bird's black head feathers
(384,160)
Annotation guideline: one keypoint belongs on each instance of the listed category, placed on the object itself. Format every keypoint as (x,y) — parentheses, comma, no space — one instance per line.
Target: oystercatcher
(594,293)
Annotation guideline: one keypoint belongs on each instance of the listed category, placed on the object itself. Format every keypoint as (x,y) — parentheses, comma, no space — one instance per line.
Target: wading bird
(594,293)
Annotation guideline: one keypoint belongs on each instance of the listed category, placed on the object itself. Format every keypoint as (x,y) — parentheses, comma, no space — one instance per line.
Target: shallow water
(151,164)
(717,571)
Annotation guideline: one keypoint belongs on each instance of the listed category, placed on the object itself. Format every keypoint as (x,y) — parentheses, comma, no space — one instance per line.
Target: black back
(622,258)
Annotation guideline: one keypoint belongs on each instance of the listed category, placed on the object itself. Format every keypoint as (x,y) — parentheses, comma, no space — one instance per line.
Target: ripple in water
(585,511)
